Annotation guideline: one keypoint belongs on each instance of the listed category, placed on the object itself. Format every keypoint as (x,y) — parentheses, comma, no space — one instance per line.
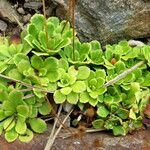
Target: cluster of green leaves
(48,37)
(19,106)
(8,50)
(18,113)
(46,61)
(79,84)
(121,107)
(85,53)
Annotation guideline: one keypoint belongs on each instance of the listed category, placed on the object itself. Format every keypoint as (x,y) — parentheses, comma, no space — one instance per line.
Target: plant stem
(64,26)
(44,13)
(67,15)
(123,74)
(51,140)
(71,13)
(73,25)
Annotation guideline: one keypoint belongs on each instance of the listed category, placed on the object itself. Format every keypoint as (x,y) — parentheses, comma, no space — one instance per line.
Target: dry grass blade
(57,116)
(67,135)
(124,74)
(25,84)
(48,119)
(56,120)
(25,90)
(28,96)
(51,140)
(94,130)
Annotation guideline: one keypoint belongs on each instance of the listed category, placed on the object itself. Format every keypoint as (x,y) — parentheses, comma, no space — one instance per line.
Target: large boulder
(109,20)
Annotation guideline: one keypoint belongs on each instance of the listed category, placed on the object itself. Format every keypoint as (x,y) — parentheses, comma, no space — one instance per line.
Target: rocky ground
(105,21)
(90,141)
(15,15)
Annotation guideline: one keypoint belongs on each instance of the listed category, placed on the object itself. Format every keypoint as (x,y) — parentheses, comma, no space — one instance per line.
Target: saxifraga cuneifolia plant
(115,81)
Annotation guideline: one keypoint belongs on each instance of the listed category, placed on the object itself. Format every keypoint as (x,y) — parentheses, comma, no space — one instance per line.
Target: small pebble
(67,107)
(76,143)
(21,11)
(3,26)
(26,18)
(7,12)
(15,6)
(136,43)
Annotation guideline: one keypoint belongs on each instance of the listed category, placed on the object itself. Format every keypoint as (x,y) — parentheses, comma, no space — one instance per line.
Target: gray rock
(67,107)
(110,20)
(33,5)
(26,18)
(7,12)
(135,43)
(21,11)
(3,26)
